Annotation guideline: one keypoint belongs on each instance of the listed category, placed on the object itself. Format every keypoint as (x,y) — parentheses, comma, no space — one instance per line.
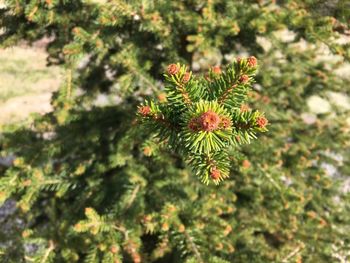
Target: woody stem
(226,93)
(162,120)
(184,93)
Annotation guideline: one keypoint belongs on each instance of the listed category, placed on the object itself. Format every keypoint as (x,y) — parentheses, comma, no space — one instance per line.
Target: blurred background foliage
(87,185)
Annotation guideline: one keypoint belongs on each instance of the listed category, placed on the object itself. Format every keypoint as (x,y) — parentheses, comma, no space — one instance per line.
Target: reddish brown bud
(246,164)
(209,121)
(136,258)
(186,77)
(155,17)
(76,30)
(194,124)
(252,61)
(173,69)
(114,249)
(162,97)
(147,151)
(216,70)
(181,228)
(244,108)
(226,122)
(238,59)
(77,227)
(244,79)
(261,121)
(146,218)
(144,110)
(27,182)
(215,173)
(26,233)
(265,99)
(219,246)
(165,226)
(227,230)
(312,214)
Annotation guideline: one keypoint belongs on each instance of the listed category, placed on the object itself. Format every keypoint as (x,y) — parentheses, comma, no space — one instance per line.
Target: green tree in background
(93,185)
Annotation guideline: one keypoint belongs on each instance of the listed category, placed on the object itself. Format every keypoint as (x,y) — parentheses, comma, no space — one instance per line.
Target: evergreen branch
(242,125)
(184,93)
(139,74)
(206,127)
(123,230)
(18,7)
(194,247)
(226,93)
(69,83)
(274,183)
(293,253)
(48,251)
(161,119)
(30,259)
(199,119)
(133,196)
(32,13)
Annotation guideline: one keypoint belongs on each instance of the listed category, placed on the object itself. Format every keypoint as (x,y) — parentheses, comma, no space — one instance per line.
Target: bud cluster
(173,69)
(205,116)
(209,121)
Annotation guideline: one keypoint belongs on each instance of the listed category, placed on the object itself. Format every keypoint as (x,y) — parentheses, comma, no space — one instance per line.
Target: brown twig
(226,93)
(194,247)
(133,196)
(184,93)
(293,253)
(161,119)
(48,251)
(243,126)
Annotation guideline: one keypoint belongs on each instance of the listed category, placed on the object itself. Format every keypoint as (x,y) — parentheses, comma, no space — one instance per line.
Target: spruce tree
(167,170)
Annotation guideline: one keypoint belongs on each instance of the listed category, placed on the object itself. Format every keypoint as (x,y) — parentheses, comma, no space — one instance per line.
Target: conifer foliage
(109,175)
(202,117)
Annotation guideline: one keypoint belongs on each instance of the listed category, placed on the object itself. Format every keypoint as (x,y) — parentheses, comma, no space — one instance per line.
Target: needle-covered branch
(203,116)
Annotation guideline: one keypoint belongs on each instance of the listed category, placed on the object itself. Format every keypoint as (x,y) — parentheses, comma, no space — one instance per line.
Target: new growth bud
(244,79)
(261,122)
(173,69)
(215,173)
(216,70)
(209,121)
(147,151)
(252,61)
(186,77)
(244,108)
(144,110)
(162,97)
(194,124)
(225,122)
